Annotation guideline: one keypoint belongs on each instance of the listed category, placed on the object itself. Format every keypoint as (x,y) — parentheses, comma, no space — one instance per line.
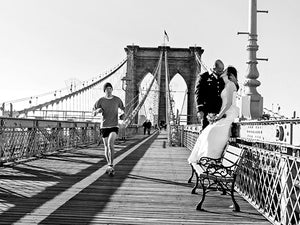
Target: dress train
(212,140)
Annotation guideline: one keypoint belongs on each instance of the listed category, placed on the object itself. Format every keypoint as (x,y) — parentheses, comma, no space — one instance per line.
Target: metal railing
(270,181)
(269,177)
(24,138)
(65,115)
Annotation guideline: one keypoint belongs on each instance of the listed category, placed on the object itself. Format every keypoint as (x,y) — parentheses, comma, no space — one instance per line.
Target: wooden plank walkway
(150,187)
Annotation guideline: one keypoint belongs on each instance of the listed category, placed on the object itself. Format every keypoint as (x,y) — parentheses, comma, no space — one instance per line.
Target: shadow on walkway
(95,197)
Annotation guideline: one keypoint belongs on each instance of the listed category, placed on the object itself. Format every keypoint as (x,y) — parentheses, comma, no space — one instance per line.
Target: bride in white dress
(213,138)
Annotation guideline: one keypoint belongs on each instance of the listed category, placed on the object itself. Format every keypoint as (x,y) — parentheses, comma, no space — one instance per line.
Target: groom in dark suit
(208,92)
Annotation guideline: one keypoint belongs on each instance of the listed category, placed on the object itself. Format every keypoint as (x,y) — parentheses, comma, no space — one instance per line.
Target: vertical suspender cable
(159,90)
(167,99)
(184,99)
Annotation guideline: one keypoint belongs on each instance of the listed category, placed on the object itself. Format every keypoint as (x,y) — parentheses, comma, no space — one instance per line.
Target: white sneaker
(107,169)
(111,172)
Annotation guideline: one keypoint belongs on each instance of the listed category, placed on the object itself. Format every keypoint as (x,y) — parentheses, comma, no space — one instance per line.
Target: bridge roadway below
(150,187)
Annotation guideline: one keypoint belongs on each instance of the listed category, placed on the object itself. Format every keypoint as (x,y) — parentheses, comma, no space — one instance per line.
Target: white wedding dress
(213,138)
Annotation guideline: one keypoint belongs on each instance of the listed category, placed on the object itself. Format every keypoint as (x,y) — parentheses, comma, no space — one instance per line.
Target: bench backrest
(232,156)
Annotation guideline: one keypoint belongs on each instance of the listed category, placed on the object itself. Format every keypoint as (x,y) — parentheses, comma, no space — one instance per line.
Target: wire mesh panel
(270,180)
(24,138)
(176,133)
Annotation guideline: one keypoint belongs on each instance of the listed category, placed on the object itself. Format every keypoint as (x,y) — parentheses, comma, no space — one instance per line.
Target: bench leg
(236,206)
(223,189)
(196,184)
(199,206)
(193,171)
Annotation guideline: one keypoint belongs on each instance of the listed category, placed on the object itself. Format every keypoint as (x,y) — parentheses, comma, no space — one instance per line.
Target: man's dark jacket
(208,94)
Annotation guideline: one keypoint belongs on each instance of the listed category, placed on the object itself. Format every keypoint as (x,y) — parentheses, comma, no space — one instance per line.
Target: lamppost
(252,101)
(124,80)
(172,109)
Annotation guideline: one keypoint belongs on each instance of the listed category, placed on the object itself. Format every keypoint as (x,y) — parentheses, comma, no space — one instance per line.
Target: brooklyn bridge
(53,167)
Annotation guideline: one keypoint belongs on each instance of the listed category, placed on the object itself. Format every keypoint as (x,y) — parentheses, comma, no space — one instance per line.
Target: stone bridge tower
(144,60)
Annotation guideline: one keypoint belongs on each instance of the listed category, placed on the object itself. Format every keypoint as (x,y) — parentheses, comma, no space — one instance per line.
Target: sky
(46,43)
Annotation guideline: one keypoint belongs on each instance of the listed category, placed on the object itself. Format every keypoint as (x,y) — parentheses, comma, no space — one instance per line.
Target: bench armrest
(219,170)
(205,162)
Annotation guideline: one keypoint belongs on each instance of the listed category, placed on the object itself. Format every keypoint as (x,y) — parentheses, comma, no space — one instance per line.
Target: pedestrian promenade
(149,187)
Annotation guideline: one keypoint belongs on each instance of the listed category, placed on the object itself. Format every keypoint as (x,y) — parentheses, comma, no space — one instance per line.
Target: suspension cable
(199,61)
(168,91)
(275,113)
(184,99)
(132,100)
(131,108)
(55,101)
(168,99)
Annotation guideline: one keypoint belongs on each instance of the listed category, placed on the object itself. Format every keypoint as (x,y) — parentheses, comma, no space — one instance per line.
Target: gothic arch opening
(178,90)
(180,60)
(149,109)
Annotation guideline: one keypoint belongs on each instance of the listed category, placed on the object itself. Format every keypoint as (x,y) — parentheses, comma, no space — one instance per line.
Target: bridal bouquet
(211,117)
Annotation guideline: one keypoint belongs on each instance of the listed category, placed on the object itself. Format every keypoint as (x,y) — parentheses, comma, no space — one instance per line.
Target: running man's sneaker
(108,168)
(111,172)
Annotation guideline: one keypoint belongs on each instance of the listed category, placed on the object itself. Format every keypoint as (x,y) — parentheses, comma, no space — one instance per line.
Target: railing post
(10,110)
(2,140)
(3,109)
(59,138)
(181,135)
(95,133)
(284,199)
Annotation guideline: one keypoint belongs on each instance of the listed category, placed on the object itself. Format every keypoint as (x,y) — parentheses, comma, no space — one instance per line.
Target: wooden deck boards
(150,187)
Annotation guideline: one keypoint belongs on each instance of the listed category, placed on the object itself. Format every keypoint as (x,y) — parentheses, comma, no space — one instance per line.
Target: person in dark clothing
(147,127)
(208,93)
(162,124)
(149,124)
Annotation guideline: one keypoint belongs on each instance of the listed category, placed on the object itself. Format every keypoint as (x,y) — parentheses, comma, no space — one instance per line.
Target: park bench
(218,174)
